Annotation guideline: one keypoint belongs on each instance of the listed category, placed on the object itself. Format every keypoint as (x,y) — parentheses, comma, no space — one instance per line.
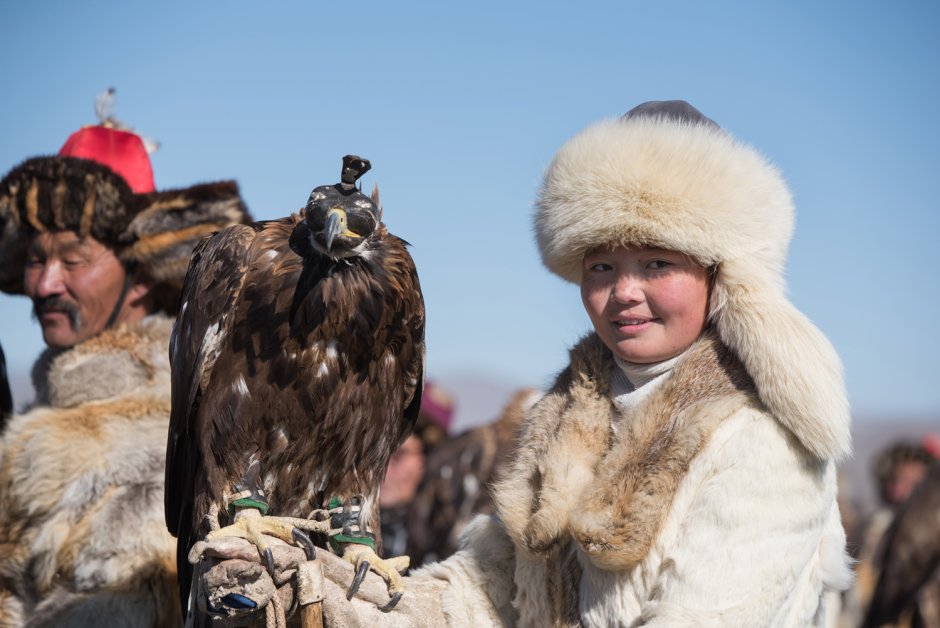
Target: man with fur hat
(682,469)
(899,469)
(102,256)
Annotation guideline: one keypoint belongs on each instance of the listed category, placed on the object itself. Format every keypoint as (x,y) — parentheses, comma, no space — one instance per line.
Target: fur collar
(115,363)
(575,478)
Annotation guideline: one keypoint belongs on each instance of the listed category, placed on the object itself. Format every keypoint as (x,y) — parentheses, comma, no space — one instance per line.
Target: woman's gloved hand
(236,590)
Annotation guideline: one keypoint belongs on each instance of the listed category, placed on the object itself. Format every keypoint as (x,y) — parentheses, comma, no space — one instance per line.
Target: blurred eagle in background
(297,370)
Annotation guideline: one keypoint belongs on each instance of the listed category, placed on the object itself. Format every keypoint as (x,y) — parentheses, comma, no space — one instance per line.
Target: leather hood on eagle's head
(339,218)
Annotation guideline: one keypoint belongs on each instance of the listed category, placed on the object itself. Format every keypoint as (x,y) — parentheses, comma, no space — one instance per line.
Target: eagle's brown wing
(412,312)
(214,280)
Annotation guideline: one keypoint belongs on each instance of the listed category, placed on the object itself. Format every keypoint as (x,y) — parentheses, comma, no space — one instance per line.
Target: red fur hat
(122,151)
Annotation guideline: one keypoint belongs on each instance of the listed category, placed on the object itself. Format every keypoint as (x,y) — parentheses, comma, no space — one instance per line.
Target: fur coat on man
(82,536)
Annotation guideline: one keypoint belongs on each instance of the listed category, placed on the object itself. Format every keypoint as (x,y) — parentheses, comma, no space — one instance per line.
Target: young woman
(681,471)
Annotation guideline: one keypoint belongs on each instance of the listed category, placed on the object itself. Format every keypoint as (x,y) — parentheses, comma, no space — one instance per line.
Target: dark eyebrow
(62,248)
(71,247)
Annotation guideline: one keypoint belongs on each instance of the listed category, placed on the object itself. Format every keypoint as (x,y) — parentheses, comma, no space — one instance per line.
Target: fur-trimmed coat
(82,534)
(696,507)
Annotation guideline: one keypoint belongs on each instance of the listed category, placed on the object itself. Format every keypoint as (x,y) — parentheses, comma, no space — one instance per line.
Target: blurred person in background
(102,256)
(403,532)
(458,480)
(435,484)
(908,589)
(898,470)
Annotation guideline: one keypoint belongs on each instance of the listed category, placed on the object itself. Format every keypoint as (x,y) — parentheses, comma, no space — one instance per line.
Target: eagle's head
(340,217)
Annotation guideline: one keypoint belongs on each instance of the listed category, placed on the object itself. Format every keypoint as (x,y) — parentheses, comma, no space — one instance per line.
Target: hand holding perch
(233,572)
(235,589)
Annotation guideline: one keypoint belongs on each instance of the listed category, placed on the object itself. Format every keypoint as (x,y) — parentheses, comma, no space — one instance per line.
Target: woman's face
(646,304)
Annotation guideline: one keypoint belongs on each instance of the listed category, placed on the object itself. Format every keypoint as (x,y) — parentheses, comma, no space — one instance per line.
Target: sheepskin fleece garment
(82,534)
(702,509)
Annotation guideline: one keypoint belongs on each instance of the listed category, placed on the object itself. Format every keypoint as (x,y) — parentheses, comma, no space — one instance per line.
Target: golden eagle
(297,369)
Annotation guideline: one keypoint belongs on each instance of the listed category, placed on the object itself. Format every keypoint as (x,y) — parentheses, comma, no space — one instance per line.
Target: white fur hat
(664,175)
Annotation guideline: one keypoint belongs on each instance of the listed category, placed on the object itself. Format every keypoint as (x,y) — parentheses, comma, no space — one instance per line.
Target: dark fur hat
(156,231)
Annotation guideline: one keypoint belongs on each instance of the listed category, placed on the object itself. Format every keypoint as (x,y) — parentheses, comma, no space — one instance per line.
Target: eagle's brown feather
(312,365)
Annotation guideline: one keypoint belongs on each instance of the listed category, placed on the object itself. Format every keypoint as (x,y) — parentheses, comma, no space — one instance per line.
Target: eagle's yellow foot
(364,558)
(251,525)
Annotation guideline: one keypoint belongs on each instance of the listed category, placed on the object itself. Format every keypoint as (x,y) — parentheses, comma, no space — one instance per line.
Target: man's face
(904,479)
(74,284)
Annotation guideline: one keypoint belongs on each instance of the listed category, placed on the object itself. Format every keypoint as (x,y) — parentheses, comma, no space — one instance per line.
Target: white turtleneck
(632,382)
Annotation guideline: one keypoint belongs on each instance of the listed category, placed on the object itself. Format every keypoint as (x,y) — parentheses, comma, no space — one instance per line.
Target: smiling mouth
(632,322)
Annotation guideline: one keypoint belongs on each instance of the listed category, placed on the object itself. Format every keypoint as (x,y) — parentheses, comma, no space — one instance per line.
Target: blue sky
(460,108)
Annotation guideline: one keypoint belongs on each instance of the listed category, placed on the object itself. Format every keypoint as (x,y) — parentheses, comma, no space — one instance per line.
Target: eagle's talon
(361,572)
(304,541)
(269,561)
(364,558)
(251,525)
(392,602)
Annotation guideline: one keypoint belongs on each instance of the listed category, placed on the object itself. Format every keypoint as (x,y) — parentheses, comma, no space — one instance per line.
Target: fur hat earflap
(170,223)
(155,231)
(664,175)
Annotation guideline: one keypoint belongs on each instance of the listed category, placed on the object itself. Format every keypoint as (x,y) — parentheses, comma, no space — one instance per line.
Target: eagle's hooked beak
(335,225)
